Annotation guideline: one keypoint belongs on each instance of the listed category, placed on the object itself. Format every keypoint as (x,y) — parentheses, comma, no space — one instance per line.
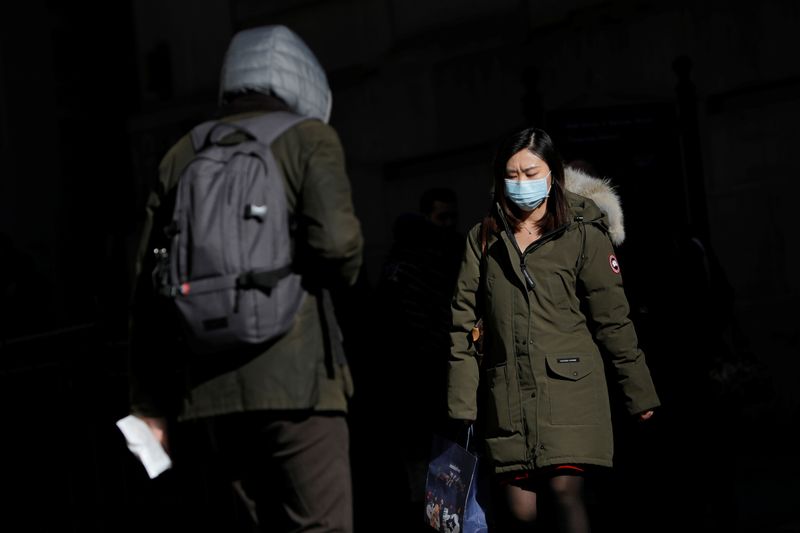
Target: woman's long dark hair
(538,142)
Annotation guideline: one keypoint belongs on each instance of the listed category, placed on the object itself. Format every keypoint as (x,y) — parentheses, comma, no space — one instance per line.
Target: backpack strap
(264,280)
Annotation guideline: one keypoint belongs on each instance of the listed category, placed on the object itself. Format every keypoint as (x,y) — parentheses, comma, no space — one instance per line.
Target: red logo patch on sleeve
(612,261)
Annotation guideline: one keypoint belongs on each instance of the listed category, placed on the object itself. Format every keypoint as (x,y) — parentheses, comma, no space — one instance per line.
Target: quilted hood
(273,59)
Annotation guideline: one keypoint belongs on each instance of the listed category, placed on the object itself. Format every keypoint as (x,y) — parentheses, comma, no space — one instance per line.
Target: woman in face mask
(538,299)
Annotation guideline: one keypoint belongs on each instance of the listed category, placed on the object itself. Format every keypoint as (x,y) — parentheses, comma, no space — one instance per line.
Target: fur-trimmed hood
(602,193)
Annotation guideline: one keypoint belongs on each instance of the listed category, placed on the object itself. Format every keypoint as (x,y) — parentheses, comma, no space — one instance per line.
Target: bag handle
(220,130)
(265,128)
(212,132)
(470,434)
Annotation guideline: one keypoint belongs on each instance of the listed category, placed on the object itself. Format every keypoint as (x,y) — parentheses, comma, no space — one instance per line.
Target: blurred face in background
(444,214)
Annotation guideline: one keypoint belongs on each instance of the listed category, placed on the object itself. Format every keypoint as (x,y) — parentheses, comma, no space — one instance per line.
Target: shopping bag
(453,489)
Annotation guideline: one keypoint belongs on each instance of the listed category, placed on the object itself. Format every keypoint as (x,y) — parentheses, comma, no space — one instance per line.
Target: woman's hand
(645,415)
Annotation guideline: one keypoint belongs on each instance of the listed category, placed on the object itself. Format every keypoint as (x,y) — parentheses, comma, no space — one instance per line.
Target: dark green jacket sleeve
(329,240)
(614,331)
(463,370)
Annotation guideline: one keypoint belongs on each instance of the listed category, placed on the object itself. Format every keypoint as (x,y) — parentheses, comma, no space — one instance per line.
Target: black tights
(564,494)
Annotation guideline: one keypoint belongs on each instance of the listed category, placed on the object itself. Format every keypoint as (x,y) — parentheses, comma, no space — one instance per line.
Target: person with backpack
(237,363)
(540,274)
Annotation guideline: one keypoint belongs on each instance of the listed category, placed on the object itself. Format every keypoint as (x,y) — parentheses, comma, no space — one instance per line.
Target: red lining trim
(570,467)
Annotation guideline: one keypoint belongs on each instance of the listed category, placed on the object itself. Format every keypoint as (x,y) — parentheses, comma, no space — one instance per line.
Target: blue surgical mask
(527,194)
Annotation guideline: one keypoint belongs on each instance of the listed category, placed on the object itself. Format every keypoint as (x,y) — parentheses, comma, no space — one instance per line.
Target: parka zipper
(529,282)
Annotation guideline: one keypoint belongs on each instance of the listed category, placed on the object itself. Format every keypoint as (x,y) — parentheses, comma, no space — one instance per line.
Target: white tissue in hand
(144,445)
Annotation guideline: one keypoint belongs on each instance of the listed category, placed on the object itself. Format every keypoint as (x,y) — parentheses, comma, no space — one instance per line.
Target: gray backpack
(229,264)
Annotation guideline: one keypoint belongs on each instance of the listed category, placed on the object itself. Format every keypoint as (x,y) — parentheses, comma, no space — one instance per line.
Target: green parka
(544,398)
(305,368)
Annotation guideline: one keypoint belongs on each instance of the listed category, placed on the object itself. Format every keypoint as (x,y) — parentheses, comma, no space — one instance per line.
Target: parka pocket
(507,450)
(498,415)
(572,390)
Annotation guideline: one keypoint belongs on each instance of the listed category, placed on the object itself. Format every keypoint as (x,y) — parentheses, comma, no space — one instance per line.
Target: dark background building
(690,108)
